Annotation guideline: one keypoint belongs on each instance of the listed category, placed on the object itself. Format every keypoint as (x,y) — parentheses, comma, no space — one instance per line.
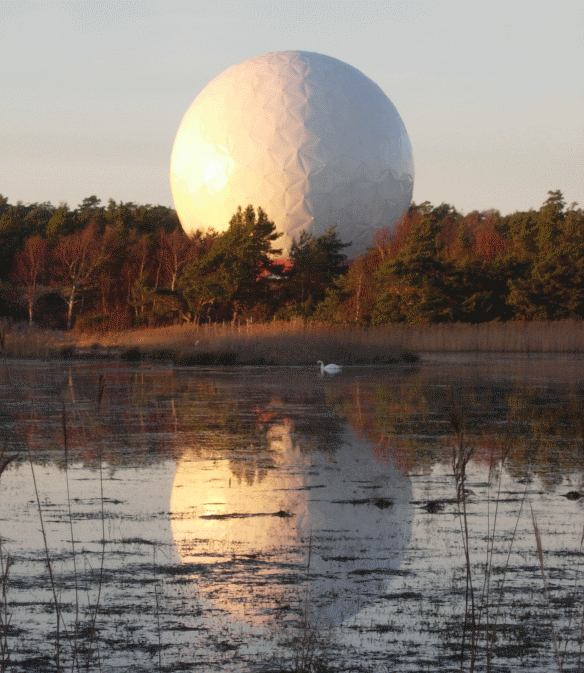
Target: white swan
(329,369)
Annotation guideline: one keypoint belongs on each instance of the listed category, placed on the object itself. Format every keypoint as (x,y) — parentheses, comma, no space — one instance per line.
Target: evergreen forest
(125,265)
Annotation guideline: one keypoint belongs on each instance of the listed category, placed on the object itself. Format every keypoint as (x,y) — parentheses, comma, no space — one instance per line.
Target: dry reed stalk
(49,564)
(308,656)
(461,455)
(492,631)
(5,563)
(24,341)
(93,635)
(573,601)
(159,629)
(277,343)
(580,650)
(566,336)
(559,659)
(491,627)
(75,576)
(61,626)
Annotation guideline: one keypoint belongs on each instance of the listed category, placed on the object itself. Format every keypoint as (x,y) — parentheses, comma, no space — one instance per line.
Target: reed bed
(21,341)
(291,343)
(561,336)
(297,343)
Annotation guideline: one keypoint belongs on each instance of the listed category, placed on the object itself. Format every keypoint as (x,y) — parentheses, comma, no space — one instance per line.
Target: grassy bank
(294,343)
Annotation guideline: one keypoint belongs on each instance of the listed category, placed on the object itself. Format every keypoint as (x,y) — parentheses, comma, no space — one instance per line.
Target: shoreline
(293,343)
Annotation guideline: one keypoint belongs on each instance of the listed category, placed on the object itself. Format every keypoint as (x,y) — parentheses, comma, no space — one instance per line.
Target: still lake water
(209,519)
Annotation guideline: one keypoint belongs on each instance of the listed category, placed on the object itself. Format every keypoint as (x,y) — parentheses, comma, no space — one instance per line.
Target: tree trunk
(70,303)
(358,310)
(31,301)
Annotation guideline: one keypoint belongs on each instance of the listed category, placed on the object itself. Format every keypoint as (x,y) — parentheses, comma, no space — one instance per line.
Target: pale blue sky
(491,93)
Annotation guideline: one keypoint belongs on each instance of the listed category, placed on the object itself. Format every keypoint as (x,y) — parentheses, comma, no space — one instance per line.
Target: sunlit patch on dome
(309,139)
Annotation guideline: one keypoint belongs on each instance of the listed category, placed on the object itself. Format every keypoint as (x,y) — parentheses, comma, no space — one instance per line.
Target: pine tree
(234,275)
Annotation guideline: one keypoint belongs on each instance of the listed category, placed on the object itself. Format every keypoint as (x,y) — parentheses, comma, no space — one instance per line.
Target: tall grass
(5,563)
(67,645)
(478,617)
(20,340)
(295,342)
(291,343)
(268,339)
(461,455)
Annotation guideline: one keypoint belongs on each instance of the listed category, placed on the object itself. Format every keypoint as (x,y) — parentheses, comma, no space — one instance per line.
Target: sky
(491,93)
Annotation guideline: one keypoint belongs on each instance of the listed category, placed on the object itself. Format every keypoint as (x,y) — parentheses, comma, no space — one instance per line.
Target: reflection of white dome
(306,137)
(339,507)
(207,491)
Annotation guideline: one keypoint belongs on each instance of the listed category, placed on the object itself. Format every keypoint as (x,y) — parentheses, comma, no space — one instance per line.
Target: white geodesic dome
(306,137)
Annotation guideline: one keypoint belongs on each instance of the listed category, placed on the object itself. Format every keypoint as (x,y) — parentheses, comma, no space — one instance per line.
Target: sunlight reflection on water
(348,511)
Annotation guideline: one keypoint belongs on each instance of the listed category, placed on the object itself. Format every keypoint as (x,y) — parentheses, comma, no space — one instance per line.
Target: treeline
(125,265)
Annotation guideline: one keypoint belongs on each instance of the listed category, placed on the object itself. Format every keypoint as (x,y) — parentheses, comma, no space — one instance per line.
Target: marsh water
(252,519)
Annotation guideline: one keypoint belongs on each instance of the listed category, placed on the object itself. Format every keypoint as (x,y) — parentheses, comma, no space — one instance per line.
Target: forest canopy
(123,265)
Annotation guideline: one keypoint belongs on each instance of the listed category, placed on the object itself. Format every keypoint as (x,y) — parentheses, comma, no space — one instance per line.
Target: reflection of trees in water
(131,426)
(234,423)
(406,419)
(135,422)
(391,415)
(219,424)
(147,415)
(319,430)
(546,427)
(151,414)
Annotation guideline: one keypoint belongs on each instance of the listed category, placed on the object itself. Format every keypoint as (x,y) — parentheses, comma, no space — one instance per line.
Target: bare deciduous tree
(77,258)
(29,269)
(174,252)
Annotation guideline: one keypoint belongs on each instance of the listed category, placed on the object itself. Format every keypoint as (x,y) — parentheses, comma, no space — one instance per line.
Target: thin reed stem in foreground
(49,564)
(559,659)
(75,576)
(580,649)
(491,634)
(573,601)
(5,563)
(93,636)
(491,627)
(159,629)
(461,455)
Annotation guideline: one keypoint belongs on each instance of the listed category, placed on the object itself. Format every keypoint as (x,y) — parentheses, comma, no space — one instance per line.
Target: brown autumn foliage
(100,268)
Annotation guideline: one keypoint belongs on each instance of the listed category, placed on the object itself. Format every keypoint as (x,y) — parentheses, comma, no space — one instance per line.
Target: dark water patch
(379,571)
(186,628)
(184,569)
(404,595)
(42,664)
(435,506)
(137,541)
(380,503)
(568,552)
(386,628)
(239,515)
